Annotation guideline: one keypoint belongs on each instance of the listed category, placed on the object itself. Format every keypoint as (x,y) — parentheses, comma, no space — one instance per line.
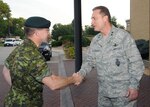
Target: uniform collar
(111,33)
(110,38)
(30,43)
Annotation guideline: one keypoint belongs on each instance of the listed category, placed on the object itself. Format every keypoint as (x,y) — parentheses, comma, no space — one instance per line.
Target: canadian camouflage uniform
(27,68)
(119,66)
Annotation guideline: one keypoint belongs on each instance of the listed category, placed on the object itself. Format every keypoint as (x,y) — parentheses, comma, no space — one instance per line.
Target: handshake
(77,78)
(57,82)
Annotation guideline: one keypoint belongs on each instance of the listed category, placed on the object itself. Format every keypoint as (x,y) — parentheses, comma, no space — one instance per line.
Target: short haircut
(29,31)
(104,10)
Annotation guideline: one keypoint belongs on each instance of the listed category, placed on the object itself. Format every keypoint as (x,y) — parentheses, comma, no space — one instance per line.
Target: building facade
(139,23)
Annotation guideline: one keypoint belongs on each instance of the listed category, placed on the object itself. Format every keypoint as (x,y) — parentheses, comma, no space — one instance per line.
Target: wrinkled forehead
(96,13)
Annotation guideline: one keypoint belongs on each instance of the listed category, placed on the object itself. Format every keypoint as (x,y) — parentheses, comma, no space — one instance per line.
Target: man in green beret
(26,69)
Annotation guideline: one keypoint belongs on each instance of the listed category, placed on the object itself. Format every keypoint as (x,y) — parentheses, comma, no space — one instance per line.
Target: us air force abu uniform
(119,66)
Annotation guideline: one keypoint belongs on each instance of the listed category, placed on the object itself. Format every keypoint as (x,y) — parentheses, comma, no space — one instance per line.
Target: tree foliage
(89,30)
(3,27)
(114,22)
(61,30)
(4,10)
(4,17)
(17,27)
(8,25)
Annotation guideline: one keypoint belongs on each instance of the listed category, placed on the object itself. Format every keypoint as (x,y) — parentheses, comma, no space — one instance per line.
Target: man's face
(43,34)
(98,20)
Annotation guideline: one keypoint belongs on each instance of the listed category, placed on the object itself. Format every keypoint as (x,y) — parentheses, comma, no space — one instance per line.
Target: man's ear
(105,18)
(36,32)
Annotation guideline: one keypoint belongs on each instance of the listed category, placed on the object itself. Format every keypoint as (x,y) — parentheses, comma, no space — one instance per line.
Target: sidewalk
(84,95)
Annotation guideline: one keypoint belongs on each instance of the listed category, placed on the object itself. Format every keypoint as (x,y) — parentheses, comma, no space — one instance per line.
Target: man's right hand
(78,78)
(132,94)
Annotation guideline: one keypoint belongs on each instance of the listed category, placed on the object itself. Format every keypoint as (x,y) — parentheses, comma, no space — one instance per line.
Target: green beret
(37,22)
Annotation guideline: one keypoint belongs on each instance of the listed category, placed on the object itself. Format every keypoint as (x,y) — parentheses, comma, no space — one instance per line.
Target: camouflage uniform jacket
(117,60)
(27,68)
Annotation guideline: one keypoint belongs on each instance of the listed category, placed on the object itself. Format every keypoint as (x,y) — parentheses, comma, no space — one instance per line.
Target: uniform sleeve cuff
(82,73)
(134,86)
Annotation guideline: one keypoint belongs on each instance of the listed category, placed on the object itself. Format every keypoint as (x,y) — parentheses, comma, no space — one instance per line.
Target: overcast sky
(62,11)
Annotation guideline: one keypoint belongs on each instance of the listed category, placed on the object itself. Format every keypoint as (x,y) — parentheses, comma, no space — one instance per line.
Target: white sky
(62,11)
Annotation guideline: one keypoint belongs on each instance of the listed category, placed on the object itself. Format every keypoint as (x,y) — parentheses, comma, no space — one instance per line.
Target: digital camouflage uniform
(119,66)
(27,68)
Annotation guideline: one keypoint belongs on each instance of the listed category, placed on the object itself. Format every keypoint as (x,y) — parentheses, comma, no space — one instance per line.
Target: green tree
(4,10)
(17,27)
(3,28)
(5,16)
(89,30)
(114,22)
(60,30)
